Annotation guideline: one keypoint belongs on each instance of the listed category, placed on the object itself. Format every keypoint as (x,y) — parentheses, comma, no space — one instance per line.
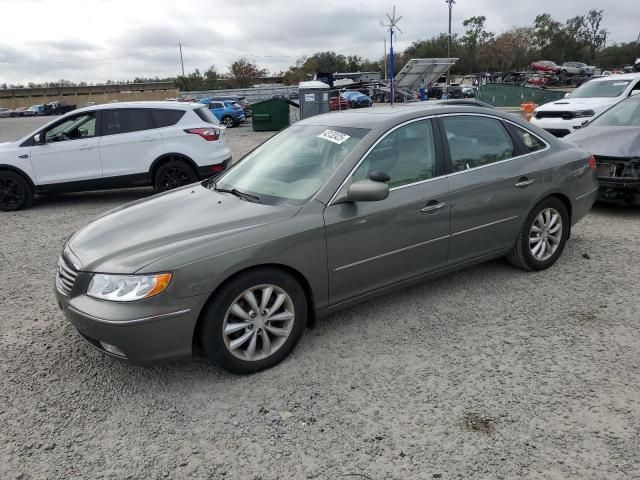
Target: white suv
(564,116)
(164,144)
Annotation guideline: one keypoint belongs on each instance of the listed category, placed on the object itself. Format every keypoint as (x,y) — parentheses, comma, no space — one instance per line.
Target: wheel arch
(22,173)
(167,157)
(302,280)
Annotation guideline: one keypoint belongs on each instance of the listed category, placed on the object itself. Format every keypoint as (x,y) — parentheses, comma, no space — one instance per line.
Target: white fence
(253,94)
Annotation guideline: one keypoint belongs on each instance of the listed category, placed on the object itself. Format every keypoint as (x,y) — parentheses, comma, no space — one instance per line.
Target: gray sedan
(331,211)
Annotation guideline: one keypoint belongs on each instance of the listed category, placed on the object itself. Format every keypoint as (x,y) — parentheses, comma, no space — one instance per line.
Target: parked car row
(567,68)
(52,108)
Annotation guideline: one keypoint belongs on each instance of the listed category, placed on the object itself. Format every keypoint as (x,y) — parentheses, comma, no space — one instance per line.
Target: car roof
(380,115)
(169,105)
(617,76)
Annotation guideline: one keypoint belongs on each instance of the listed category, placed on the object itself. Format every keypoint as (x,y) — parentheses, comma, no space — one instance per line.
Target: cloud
(273,33)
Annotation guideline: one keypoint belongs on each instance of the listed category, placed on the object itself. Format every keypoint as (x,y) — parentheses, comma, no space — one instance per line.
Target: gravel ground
(487,373)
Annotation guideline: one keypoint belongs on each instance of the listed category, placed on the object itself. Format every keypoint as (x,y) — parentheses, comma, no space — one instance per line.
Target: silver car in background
(331,211)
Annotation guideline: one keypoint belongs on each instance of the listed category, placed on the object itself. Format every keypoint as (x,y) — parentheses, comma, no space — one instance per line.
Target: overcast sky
(273,33)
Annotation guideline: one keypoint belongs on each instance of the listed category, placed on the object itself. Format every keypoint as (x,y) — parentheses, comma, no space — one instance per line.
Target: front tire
(15,192)
(543,236)
(174,174)
(254,321)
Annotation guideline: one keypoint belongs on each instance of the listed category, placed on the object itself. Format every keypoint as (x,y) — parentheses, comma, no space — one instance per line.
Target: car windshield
(292,166)
(607,88)
(624,114)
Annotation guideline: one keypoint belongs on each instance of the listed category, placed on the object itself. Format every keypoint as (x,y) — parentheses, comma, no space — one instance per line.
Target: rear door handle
(23,156)
(433,206)
(148,139)
(86,147)
(524,182)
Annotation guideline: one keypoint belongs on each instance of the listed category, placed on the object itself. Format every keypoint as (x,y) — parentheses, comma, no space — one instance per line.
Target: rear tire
(228,122)
(173,174)
(543,236)
(15,192)
(241,340)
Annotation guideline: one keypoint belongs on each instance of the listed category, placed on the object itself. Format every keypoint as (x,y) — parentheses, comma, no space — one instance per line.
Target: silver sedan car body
(330,211)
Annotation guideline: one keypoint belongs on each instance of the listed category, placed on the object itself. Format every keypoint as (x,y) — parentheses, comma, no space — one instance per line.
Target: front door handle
(524,182)
(86,147)
(23,156)
(433,206)
(148,139)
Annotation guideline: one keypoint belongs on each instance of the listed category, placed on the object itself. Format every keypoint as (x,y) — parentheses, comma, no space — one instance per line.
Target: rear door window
(127,120)
(476,141)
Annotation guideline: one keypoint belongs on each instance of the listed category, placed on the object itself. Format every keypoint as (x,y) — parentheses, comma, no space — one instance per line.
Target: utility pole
(385,58)
(450,2)
(181,60)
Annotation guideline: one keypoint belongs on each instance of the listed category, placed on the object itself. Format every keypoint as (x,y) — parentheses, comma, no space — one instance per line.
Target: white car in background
(162,144)
(590,99)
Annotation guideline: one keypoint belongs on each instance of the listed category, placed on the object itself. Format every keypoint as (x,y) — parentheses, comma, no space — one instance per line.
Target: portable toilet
(314,98)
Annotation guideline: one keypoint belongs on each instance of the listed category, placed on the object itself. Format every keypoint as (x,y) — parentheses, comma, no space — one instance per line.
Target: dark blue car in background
(356,99)
(228,112)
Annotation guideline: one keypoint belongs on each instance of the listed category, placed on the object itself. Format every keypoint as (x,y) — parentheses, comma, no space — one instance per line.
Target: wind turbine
(392,26)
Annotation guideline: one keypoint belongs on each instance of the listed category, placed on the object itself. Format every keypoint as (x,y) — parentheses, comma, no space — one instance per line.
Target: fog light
(112,349)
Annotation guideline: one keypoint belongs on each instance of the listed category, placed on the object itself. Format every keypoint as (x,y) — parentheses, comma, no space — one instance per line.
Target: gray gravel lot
(488,373)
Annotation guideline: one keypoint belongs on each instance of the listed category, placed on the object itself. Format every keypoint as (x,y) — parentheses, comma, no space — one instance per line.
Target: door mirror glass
(38,139)
(635,92)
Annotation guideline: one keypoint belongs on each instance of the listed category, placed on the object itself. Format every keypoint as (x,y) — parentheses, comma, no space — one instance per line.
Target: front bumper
(147,331)
(558,126)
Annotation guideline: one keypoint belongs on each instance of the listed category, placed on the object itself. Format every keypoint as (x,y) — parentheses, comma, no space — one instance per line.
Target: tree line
(582,38)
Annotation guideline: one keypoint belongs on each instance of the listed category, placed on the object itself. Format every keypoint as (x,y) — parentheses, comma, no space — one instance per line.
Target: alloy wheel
(227,122)
(258,322)
(545,234)
(174,178)
(11,193)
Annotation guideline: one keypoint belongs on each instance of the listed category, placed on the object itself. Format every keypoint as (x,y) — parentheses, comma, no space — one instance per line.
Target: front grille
(66,276)
(563,115)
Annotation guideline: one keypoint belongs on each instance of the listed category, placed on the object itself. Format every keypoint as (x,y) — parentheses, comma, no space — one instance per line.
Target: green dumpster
(270,115)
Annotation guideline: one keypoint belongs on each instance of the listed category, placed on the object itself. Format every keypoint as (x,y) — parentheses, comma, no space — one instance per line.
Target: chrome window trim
(431,117)
(392,252)
(547,146)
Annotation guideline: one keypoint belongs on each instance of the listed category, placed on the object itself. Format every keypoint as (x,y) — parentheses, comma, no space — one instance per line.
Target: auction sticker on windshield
(333,136)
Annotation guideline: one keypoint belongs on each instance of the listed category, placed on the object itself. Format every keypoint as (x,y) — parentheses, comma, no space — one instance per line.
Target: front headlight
(127,288)
(584,113)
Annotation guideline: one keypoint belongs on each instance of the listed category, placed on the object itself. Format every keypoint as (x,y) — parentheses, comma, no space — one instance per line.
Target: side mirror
(364,191)
(584,123)
(38,139)
(634,92)
(567,94)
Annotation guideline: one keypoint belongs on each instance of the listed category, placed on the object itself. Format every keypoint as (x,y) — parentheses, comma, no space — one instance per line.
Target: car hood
(608,141)
(126,239)
(7,145)
(572,104)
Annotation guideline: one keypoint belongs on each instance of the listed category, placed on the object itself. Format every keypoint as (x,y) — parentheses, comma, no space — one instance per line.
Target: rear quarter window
(206,116)
(166,117)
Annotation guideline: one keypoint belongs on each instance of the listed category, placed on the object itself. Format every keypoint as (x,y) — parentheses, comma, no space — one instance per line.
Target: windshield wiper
(237,193)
